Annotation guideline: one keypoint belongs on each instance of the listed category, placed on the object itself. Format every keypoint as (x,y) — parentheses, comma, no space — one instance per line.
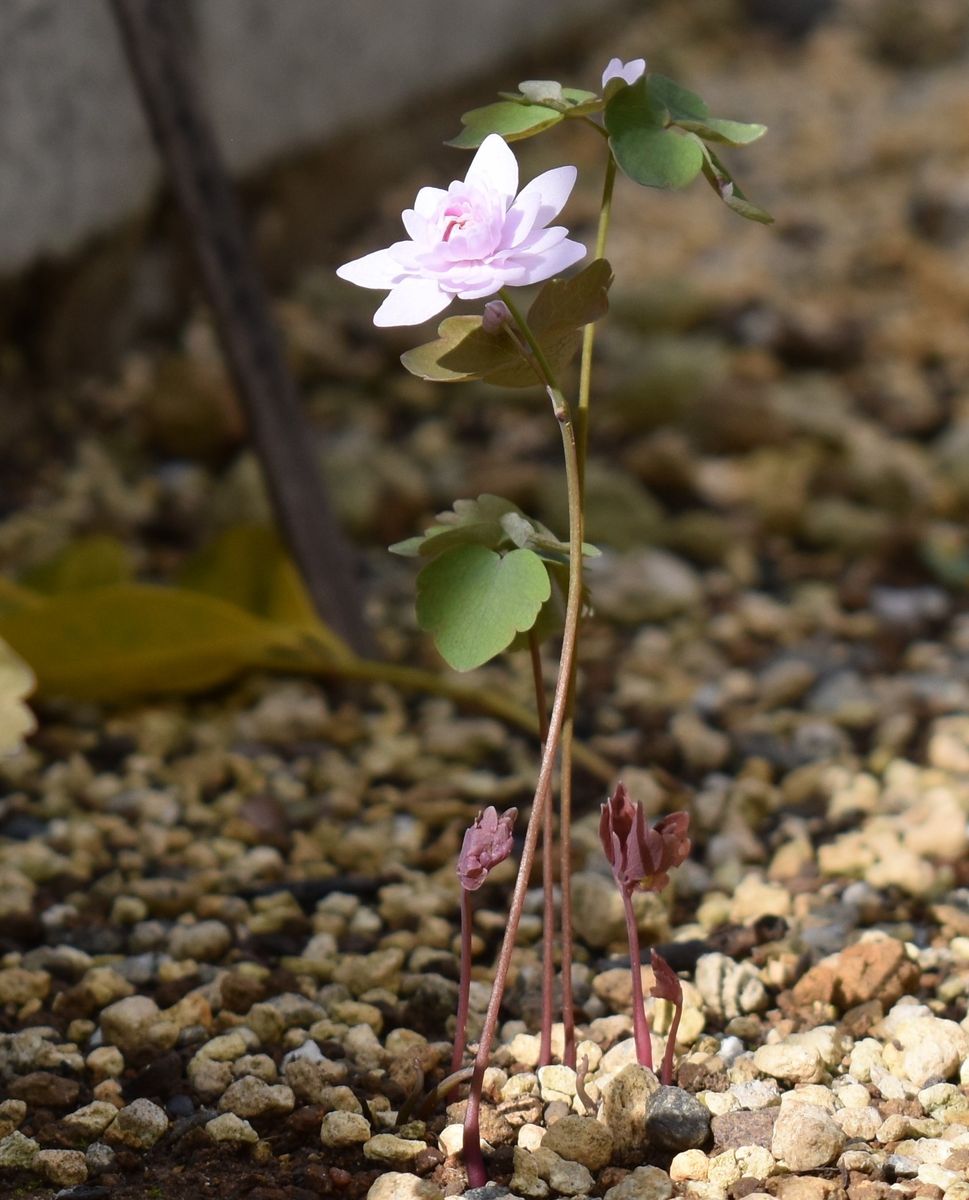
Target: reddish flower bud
(487,842)
(641,857)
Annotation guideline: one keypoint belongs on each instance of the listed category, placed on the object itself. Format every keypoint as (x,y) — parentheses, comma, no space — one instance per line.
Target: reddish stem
(474,1162)
(464,995)
(644,1047)
(548,876)
(565,884)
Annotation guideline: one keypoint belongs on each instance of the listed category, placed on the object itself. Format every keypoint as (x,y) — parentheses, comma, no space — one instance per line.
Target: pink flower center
(456,216)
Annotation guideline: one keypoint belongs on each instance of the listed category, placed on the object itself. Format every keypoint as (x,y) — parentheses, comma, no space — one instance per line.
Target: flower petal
(376,270)
(428,200)
(411,302)
(520,219)
(552,188)
(536,267)
(494,169)
(415,224)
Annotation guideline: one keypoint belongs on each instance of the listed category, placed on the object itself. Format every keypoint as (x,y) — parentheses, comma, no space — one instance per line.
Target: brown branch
(155,47)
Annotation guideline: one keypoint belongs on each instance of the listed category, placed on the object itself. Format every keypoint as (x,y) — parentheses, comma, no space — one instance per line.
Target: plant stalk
(548,874)
(477,1176)
(644,1042)
(569,749)
(565,880)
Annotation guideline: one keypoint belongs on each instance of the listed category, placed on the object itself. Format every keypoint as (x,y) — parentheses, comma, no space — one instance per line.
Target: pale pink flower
(487,842)
(471,240)
(628,72)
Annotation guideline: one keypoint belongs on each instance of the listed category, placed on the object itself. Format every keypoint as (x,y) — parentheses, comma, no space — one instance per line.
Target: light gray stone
(340,1130)
(251,1096)
(805,1138)
(229,1128)
(139,1125)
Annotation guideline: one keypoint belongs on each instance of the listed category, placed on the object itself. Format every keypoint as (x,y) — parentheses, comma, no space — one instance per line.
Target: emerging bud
(495,316)
(487,842)
(641,857)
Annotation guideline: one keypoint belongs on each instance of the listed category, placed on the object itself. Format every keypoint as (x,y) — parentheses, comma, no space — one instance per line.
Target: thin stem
(644,1045)
(464,994)
(569,750)
(472,1145)
(565,881)
(548,876)
(589,332)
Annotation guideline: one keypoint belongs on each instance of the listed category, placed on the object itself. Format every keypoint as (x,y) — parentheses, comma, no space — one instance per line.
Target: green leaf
(648,152)
(113,643)
(731,133)
(425,361)
(687,110)
(678,101)
(723,184)
(16,683)
(464,351)
(572,303)
(89,562)
(513,120)
(473,601)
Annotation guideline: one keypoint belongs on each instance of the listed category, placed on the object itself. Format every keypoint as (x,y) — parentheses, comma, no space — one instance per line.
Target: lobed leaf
(474,601)
(464,350)
(678,101)
(731,133)
(687,110)
(572,303)
(644,148)
(726,188)
(510,118)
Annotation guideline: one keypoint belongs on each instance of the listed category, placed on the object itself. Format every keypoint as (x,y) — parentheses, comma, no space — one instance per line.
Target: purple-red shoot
(641,858)
(487,842)
(667,986)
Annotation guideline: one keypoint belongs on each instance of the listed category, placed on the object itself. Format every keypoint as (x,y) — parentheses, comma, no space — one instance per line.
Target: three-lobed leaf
(474,601)
(464,350)
(509,118)
(644,146)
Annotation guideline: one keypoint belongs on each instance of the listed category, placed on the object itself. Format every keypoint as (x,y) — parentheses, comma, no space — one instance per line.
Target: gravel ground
(228,924)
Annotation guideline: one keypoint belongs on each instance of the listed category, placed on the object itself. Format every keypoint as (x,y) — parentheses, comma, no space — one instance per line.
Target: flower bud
(495,316)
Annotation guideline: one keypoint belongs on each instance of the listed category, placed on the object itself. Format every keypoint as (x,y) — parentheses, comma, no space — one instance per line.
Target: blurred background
(775,404)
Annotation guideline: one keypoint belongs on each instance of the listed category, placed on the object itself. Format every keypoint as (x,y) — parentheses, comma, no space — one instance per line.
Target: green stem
(543,787)
(589,332)
(570,750)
